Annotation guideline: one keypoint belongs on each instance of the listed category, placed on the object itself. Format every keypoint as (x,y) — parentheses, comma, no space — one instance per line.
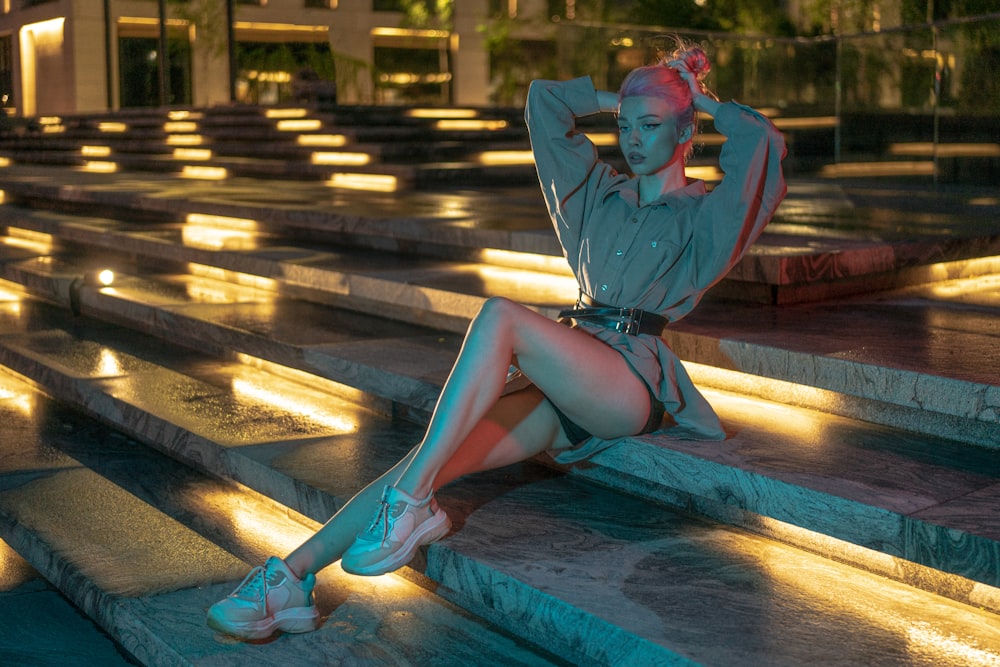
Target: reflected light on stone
(29,240)
(302,404)
(204,173)
(4,162)
(184,114)
(15,395)
(222,221)
(253,515)
(831,586)
(371,182)
(243,279)
(109,364)
(781,404)
(341,159)
(315,382)
(112,126)
(100,166)
(214,238)
(563,288)
(966,286)
(525,260)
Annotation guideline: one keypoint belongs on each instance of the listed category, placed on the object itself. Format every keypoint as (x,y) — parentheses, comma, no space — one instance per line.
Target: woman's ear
(686,133)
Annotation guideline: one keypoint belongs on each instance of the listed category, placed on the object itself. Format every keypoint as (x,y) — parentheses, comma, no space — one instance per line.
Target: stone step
(894,492)
(143,545)
(958,398)
(594,576)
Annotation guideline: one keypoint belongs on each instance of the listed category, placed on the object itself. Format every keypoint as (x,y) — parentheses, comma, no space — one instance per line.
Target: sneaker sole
(429,531)
(295,620)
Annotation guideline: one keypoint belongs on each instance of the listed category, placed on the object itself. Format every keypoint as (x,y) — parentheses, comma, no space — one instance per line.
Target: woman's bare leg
(589,381)
(519,426)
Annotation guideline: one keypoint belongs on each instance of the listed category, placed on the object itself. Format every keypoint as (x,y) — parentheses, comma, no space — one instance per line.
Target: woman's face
(648,135)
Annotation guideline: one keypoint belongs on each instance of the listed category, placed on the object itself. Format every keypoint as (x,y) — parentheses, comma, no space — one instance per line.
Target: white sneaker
(402,524)
(270,598)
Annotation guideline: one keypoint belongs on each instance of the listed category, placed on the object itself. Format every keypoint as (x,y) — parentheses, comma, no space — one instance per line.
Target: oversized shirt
(663,256)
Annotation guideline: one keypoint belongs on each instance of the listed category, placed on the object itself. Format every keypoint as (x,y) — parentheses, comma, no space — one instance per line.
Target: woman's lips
(636,157)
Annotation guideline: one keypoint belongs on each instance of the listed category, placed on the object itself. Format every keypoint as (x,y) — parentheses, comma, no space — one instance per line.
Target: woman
(644,249)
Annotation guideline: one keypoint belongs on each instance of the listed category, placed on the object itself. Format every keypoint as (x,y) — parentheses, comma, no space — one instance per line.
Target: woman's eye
(650,126)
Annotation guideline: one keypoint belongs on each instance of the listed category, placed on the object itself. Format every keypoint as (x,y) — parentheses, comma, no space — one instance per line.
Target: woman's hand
(608,101)
(700,99)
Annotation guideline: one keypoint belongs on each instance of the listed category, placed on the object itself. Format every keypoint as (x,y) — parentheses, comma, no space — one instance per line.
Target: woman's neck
(654,186)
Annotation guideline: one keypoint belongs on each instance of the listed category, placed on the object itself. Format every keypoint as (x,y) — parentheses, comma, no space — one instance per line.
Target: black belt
(632,321)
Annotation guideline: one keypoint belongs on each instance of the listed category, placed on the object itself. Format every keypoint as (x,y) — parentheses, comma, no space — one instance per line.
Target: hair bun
(695,59)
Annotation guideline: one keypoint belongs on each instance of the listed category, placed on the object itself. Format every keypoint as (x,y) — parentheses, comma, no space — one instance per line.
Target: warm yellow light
(304,403)
(184,140)
(4,162)
(322,385)
(280,27)
(225,222)
(460,124)
(29,240)
(49,120)
(108,364)
(341,159)
(192,154)
(183,114)
(242,279)
(562,289)
(105,277)
(501,158)
(603,138)
(53,129)
(708,173)
(953,289)
(442,113)
(861,169)
(100,166)
(145,20)
(14,394)
(525,260)
(250,513)
(286,113)
(183,126)
(409,32)
(373,182)
(95,151)
(299,125)
(110,126)
(930,149)
(214,238)
(204,173)
(805,123)
(321,140)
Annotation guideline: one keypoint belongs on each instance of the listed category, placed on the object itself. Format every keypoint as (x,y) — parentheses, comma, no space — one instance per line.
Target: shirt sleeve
(735,213)
(565,158)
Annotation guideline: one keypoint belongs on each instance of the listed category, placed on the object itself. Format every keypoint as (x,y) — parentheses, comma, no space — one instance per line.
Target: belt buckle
(628,322)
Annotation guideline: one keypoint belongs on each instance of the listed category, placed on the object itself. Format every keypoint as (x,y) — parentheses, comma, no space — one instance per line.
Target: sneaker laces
(382,516)
(252,587)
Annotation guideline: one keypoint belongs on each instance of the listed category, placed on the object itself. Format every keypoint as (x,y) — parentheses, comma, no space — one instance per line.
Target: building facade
(77,56)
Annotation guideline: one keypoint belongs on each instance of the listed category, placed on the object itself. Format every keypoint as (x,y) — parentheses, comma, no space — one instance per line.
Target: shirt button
(618,252)
(635,219)
(654,244)
(604,288)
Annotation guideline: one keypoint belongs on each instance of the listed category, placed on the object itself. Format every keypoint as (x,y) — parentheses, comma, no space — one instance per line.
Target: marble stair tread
(789,464)
(850,250)
(593,576)
(143,545)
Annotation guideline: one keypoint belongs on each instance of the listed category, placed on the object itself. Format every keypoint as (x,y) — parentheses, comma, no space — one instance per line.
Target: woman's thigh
(588,380)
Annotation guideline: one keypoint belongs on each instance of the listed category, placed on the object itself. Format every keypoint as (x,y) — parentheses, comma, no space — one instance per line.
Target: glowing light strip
(341,159)
(285,113)
(855,169)
(805,123)
(202,172)
(929,149)
(501,158)
(192,154)
(111,126)
(95,151)
(210,220)
(442,113)
(185,140)
(466,125)
(299,125)
(183,126)
(372,182)
(410,32)
(100,166)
